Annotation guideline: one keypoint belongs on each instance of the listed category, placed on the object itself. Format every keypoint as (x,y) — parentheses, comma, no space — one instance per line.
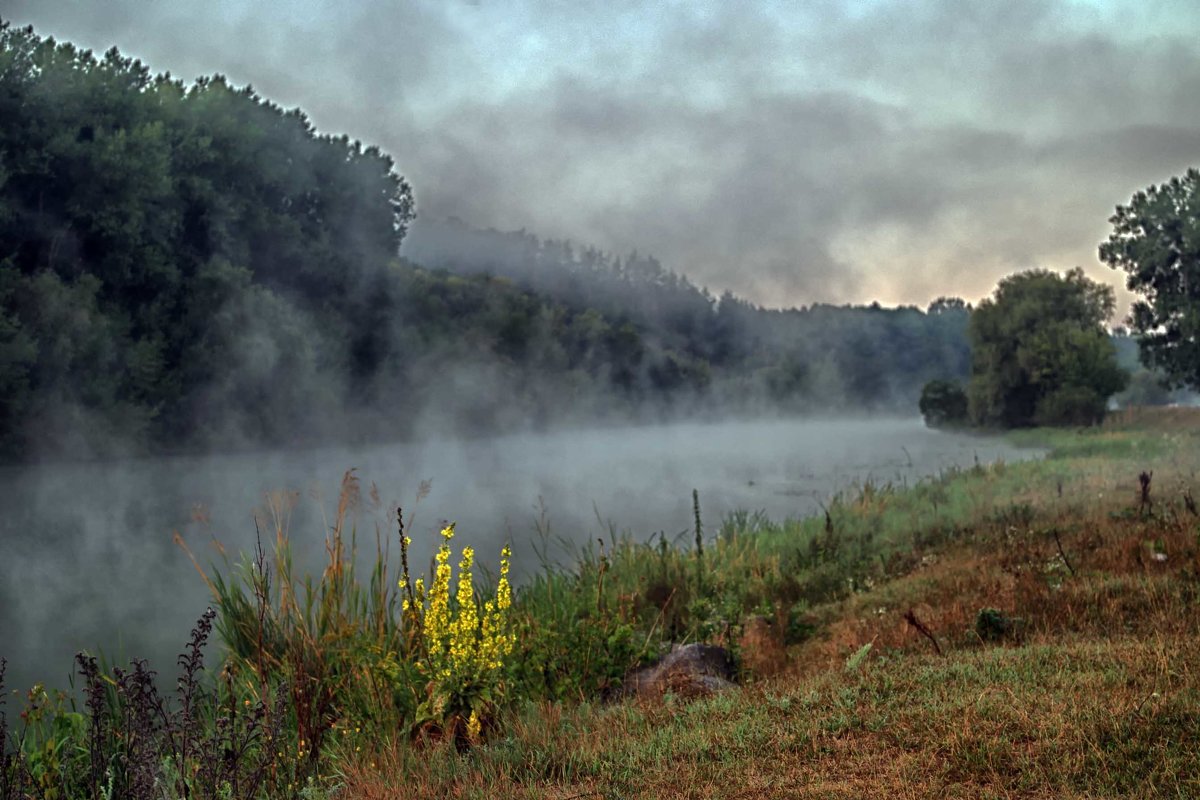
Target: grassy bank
(1057,656)
(1093,690)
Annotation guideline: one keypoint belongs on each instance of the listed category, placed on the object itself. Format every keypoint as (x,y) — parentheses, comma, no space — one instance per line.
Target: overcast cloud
(792,152)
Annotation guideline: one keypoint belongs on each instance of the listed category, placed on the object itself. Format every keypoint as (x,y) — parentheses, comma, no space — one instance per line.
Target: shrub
(1071,405)
(943,404)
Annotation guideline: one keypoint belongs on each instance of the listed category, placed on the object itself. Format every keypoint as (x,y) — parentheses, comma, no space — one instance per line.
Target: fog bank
(89,558)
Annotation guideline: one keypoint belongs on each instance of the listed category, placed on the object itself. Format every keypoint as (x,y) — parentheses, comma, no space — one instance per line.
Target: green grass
(1072,720)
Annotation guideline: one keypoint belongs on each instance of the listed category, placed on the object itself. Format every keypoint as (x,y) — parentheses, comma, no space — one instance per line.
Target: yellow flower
(474,726)
(465,642)
(466,628)
(437,618)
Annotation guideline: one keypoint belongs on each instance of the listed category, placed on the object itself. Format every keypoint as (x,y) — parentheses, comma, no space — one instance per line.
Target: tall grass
(334,641)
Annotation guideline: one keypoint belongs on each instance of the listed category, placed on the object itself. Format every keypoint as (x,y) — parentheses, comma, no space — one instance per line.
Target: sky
(821,151)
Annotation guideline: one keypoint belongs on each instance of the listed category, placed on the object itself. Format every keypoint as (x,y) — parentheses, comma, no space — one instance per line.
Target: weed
(134,743)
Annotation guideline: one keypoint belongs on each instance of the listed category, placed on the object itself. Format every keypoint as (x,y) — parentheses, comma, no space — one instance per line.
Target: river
(88,558)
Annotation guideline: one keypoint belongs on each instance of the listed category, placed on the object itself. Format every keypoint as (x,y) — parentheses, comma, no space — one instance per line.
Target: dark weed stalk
(137,722)
(14,775)
(1062,553)
(411,617)
(911,619)
(96,700)
(185,733)
(601,571)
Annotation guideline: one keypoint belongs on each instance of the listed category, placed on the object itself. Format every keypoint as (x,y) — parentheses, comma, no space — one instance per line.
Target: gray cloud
(887,150)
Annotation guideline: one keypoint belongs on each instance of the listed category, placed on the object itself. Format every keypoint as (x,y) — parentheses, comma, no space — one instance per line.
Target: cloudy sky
(830,150)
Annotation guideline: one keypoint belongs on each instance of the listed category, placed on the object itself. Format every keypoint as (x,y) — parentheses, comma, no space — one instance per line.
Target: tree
(1156,241)
(1040,354)
(943,404)
(949,305)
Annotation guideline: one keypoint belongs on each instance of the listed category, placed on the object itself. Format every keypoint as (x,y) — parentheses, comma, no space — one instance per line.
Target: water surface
(87,556)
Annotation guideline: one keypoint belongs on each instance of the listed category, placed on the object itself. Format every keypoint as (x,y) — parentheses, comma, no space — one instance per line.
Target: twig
(911,619)
(658,618)
(1138,710)
(1062,553)
(1189,503)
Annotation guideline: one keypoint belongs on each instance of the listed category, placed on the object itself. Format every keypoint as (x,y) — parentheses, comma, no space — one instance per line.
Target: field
(1011,630)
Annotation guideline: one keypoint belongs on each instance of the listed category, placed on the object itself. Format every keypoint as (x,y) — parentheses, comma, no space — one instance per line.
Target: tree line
(744,356)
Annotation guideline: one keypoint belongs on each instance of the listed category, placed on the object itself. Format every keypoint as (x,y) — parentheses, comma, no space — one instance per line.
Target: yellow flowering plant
(460,644)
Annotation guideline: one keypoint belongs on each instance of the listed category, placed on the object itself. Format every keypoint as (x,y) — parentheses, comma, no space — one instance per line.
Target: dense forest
(187,265)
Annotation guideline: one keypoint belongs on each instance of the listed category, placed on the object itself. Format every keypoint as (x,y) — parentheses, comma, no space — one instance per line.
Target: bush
(212,739)
(943,404)
(1071,405)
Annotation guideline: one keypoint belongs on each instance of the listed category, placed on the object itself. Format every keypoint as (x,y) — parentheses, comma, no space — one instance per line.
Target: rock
(689,670)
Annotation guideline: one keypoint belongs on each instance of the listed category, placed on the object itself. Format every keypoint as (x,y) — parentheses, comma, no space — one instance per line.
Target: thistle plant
(461,645)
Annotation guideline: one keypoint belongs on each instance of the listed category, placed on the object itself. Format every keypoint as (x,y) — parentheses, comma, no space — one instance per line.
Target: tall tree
(1040,354)
(1156,241)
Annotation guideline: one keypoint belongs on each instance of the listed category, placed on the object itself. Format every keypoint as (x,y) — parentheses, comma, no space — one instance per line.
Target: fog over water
(89,559)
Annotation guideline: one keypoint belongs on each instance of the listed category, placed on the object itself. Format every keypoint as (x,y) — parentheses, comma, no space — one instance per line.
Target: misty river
(88,561)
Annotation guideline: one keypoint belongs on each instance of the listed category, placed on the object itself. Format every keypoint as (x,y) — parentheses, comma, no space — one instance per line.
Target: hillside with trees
(190,265)
(798,359)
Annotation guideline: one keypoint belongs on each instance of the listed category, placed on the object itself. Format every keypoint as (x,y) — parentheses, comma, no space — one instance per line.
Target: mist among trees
(190,265)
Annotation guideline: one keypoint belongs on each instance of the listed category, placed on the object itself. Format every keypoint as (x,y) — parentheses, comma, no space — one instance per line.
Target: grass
(1075,720)
(1064,611)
